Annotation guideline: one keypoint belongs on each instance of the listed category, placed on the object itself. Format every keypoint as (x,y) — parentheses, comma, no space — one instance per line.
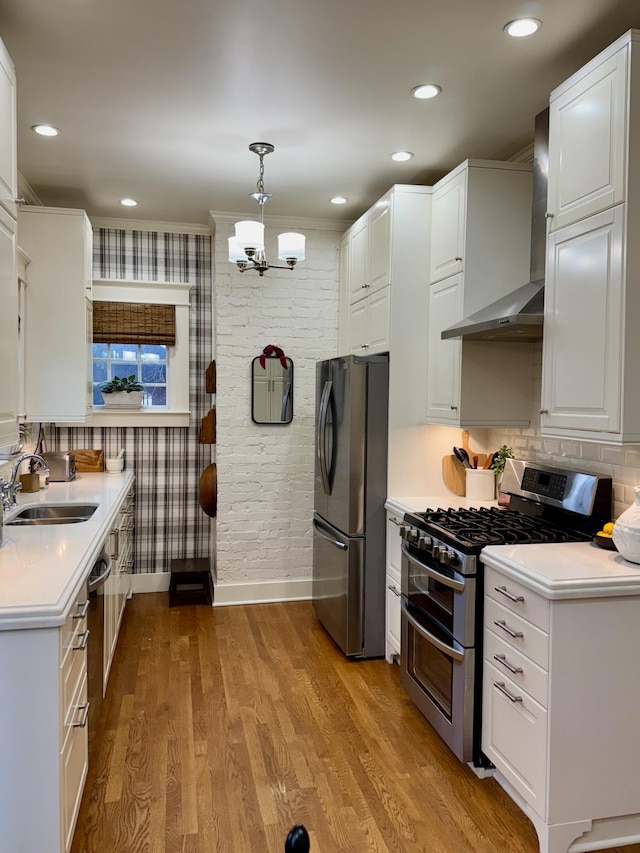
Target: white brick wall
(265,473)
(620,463)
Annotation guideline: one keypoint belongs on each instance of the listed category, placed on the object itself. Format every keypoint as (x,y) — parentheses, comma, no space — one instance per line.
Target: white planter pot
(123,400)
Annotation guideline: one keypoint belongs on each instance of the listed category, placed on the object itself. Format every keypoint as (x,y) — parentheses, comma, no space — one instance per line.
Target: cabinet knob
(548,215)
(364,346)
(454,408)
(458,259)
(19,200)
(544,411)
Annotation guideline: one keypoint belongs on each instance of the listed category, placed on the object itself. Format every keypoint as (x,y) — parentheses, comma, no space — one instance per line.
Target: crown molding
(292,222)
(525,155)
(25,191)
(149,225)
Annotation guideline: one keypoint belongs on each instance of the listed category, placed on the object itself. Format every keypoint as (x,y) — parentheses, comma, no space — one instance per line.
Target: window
(147,362)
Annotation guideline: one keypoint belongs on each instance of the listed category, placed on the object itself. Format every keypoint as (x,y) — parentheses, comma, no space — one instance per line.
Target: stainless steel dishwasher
(95,647)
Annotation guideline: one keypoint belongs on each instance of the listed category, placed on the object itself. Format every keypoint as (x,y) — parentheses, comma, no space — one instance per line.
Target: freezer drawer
(338,562)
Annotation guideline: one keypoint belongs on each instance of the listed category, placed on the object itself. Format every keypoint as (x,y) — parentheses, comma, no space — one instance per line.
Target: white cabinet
(480,240)
(560,709)
(370,261)
(117,588)
(9,343)
(8,136)
(393,609)
(583,381)
(58,364)
(591,347)
(588,139)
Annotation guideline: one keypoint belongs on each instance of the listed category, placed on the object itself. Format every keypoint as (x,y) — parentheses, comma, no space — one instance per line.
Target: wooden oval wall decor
(208,497)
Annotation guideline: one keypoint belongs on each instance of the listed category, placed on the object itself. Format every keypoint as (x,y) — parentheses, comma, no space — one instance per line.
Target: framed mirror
(271,391)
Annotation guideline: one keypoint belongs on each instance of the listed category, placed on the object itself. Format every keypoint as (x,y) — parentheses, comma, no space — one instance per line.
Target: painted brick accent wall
(265,473)
(620,463)
(167,461)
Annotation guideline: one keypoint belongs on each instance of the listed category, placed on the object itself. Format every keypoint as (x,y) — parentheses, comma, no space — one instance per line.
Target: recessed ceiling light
(425,90)
(338,199)
(45,130)
(522,27)
(400,156)
(128,202)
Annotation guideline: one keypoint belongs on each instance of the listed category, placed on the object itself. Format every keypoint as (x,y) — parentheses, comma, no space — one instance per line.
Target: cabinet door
(393,610)
(587,143)
(358,279)
(8,138)
(443,370)
(359,327)
(581,363)
(379,316)
(448,228)
(379,240)
(8,332)
(345,295)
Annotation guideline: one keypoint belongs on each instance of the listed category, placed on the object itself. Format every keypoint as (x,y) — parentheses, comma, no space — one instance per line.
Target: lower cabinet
(117,588)
(393,610)
(560,696)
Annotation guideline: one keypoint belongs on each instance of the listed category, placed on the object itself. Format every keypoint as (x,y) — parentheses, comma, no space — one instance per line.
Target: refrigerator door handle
(322,429)
(320,532)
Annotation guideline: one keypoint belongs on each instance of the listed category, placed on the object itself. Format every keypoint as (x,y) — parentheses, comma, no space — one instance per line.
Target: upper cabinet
(588,139)
(591,345)
(370,262)
(480,246)
(58,363)
(9,344)
(8,137)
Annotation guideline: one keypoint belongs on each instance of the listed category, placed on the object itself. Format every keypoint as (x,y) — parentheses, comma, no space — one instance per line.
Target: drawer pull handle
(394,589)
(84,608)
(82,722)
(503,660)
(502,624)
(499,685)
(82,645)
(504,591)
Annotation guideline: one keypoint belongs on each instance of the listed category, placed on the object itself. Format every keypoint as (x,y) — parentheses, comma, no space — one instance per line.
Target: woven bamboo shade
(134,323)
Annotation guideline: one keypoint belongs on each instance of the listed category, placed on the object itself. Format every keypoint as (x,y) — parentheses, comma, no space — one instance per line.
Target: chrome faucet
(9,489)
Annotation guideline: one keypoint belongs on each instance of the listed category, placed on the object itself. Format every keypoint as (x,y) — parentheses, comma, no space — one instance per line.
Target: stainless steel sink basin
(53,514)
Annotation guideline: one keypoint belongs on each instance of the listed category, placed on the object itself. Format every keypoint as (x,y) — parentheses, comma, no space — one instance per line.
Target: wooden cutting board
(482,457)
(454,475)
(89,461)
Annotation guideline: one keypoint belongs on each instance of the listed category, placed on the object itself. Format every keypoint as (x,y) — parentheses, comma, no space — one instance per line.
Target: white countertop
(42,566)
(422,503)
(566,570)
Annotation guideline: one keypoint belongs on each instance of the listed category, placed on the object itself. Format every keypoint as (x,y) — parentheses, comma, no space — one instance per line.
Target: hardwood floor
(225,726)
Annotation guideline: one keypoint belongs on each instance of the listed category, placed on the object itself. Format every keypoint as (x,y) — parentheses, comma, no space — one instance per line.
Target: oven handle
(429,637)
(458,586)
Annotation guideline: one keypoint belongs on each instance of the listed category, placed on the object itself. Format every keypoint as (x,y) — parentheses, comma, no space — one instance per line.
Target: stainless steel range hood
(518,316)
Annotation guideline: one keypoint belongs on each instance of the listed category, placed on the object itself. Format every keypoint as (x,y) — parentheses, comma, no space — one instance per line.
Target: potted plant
(499,459)
(122,392)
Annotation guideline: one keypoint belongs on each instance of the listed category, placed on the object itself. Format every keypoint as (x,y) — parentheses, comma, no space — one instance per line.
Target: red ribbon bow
(272,351)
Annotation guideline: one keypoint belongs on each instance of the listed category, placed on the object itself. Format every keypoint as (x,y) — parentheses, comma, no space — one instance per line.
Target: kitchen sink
(53,514)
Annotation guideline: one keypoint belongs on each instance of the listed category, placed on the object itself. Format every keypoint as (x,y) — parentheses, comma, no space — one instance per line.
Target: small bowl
(114,466)
(605,542)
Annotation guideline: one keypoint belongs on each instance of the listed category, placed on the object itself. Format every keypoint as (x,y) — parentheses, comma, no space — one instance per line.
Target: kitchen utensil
(89,461)
(487,462)
(115,465)
(462,456)
(208,493)
(475,461)
(120,453)
(453,475)
(471,453)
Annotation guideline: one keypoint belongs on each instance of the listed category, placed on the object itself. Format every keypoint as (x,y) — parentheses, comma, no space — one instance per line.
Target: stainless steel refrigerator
(349,524)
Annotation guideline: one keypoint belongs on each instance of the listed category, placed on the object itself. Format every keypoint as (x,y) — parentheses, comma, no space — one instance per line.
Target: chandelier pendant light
(246,248)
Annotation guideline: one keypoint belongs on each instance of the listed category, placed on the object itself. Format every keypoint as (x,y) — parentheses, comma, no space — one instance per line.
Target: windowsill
(144,417)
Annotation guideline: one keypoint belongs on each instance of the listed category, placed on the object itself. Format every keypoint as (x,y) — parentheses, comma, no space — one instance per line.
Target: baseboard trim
(251,592)
(261,592)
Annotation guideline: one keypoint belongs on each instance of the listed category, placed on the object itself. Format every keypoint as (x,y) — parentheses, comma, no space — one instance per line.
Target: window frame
(176,412)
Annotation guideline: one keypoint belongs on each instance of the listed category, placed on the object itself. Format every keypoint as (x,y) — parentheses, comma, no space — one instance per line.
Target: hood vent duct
(518,316)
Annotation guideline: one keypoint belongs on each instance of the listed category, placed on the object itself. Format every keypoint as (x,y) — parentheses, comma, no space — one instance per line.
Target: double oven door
(438,656)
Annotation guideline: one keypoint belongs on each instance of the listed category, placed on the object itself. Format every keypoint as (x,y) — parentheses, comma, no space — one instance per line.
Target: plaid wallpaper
(167,461)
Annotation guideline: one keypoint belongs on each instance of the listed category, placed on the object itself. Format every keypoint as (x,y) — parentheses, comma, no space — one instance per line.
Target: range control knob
(403,532)
(447,558)
(436,551)
(422,542)
(413,535)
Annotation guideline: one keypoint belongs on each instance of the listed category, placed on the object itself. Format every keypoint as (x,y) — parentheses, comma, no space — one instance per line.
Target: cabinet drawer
(394,543)
(505,659)
(73,668)
(514,736)
(393,615)
(75,623)
(517,632)
(527,604)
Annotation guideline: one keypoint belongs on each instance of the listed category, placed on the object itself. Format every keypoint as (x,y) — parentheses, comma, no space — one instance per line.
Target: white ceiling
(159,99)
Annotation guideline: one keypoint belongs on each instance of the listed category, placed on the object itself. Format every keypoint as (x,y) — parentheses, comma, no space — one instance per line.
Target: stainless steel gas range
(443,584)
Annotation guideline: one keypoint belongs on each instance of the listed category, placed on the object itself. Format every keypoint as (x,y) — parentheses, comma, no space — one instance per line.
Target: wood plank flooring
(225,726)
